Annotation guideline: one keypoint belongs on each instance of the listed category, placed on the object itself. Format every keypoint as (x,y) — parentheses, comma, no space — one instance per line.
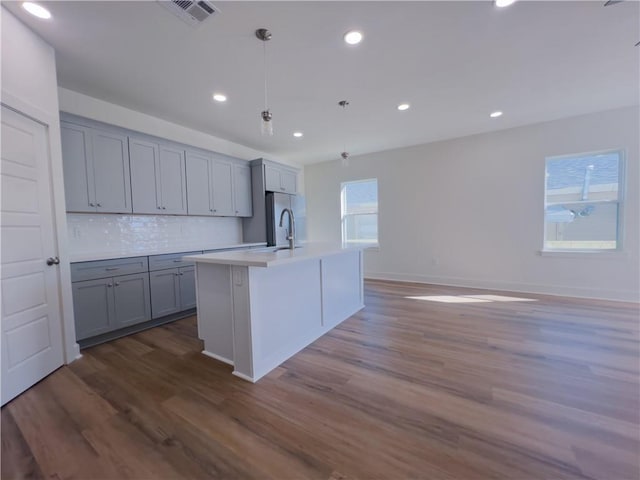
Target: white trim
(583,254)
(26,108)
(554,290)
(243,376)
(52,123)
(217,357)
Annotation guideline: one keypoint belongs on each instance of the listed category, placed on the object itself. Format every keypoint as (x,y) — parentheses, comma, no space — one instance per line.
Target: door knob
(53,261)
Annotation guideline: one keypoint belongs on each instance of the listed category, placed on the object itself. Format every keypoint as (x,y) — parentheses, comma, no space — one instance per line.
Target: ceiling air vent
(189,11)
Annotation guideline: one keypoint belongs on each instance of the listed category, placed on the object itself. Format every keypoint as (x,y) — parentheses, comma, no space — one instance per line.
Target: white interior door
(31,324)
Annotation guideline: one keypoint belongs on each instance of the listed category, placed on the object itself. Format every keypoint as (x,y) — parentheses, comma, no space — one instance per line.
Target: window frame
(344,215)
(622,179)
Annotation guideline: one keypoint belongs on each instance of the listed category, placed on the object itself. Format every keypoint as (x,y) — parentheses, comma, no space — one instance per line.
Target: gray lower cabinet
(172,290)
(107,304)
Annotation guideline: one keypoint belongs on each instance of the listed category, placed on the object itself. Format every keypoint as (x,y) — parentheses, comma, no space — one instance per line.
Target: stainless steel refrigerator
(276,202)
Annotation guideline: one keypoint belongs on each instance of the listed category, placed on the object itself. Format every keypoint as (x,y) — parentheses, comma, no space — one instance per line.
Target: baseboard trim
(218,357)
(243,376)
(554,290)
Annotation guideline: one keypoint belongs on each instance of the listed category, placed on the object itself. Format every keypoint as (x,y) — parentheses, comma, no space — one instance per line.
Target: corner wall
(469,211)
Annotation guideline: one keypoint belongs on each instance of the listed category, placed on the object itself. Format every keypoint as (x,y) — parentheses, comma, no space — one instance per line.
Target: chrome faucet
(291,232)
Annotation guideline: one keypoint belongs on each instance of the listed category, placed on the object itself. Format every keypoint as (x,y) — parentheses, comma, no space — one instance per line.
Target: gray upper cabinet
(223,187)
(218,185)
(242,190)
(144,170)
(158,178)
(199,195)
(173,181)
(278,178)
(96,170)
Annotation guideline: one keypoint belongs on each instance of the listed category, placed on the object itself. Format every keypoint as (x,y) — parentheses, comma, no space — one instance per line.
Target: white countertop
(90,256)
(270,258)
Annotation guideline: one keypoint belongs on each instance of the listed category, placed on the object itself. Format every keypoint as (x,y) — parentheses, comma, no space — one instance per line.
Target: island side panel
(215,310)
(243,336)
(341,287)
(285,312)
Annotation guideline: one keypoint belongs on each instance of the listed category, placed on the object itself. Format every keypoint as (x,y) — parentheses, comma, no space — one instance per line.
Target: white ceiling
(455,62)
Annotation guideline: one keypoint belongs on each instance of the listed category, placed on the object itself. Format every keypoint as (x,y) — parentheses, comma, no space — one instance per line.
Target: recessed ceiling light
(503,3)
(297,134)
(403,106)
(353,37)
(219,97)
(36,10)
(495,114)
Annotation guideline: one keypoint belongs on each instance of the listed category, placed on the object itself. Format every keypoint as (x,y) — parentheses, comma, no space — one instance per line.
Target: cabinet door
(93,307)
(173,181)
(187,287)
(131,299)
(242,190)
(222,187)
(199,184)
(79,187)
(165,292)
(289,181)
(145,178)
(272,179)
(111,171)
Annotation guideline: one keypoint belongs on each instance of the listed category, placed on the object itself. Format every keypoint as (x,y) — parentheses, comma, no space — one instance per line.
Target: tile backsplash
(140,234)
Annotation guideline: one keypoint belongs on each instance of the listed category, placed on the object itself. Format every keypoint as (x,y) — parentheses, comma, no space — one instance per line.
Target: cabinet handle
(282,188)
(176,274)
(91,204)
(109,285)
(111,269)
(98,205)
(236,212)
(159,207)
(181,274)
(214,210)
(117,284)
(164,208)
(177,261)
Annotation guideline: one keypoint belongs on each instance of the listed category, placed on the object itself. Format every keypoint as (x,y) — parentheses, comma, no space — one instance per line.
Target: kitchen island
(258,308)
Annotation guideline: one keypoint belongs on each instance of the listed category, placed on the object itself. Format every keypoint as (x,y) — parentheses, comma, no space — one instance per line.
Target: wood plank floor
(406,388)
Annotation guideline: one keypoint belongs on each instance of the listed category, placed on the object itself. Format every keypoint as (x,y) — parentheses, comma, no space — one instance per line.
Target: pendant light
(266,116)
(344,155)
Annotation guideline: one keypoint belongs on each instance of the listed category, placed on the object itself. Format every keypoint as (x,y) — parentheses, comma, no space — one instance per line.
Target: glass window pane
(361,228)
(583,178)
(582,227)
(360,211)
(582,201)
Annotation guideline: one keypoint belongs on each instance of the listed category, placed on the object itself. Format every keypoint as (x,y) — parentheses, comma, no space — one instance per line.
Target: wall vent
(189,11)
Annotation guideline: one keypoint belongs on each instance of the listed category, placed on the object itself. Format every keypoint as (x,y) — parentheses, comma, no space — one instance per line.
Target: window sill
(599,254)
(365,246)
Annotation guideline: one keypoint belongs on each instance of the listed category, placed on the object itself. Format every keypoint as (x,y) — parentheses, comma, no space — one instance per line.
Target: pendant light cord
(264,51)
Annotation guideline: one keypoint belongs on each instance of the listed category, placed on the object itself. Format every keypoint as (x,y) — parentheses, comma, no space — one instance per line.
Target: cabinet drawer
(108,268)
(170,260)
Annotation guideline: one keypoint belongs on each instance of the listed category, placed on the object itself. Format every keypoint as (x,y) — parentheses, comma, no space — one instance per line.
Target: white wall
(469,211)
(29,85)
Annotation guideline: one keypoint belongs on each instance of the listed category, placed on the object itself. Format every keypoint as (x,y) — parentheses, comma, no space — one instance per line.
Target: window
(583,198)
(359,201)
